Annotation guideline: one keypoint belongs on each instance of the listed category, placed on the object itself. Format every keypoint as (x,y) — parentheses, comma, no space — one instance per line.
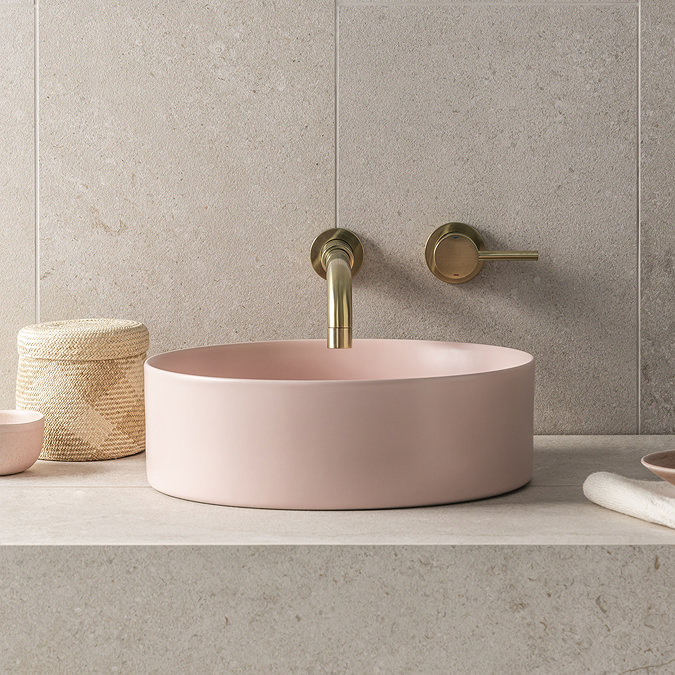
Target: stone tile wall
(189,155)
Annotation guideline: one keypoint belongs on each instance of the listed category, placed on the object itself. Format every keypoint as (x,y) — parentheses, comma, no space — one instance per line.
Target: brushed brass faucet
(337,255)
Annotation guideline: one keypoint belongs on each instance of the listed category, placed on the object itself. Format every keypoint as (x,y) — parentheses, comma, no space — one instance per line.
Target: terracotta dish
(662,464)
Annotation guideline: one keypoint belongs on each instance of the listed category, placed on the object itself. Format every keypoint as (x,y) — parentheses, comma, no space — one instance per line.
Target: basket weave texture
(86,377)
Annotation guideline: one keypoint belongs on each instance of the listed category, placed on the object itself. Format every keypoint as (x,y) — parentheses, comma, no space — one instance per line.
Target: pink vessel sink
(294,425)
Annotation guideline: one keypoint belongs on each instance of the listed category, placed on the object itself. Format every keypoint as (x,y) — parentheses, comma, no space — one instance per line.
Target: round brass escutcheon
(452,253)
(340,237)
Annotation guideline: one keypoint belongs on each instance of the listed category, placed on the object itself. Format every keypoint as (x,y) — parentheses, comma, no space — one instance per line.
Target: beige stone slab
(568,460)
(17,188)
(123,472)
(141,516)
(279,610)
(110,503)
(657,205)
(520,120)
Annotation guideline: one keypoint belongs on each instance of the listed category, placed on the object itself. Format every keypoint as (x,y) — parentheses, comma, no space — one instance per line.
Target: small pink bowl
(662,464)
(21,436)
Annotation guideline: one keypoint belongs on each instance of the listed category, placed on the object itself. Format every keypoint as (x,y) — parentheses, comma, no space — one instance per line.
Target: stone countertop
(111,503)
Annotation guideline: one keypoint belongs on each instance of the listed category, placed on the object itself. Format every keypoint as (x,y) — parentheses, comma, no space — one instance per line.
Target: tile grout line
(36,150)
(638,355)
(336,72)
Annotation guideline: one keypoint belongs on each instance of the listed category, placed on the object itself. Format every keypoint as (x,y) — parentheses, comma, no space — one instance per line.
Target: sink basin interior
(367,360)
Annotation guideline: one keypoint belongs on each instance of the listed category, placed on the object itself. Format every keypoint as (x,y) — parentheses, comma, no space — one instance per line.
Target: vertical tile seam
(638,354)
(336,90)
(36,151)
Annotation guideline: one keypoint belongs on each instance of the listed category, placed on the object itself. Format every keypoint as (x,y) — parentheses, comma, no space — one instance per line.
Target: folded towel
(649,500)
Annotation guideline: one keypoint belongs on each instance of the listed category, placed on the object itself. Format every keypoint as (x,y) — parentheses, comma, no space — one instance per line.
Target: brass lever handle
(508,255)
(455,253)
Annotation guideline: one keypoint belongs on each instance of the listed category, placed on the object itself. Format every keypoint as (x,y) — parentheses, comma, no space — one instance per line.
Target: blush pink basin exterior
(21,438)
(294,425)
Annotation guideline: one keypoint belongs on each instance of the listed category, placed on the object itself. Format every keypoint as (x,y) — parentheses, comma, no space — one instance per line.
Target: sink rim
(155,362)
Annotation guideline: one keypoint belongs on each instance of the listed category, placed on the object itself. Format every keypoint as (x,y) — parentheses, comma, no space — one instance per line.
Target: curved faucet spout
(337,256)
(338,263)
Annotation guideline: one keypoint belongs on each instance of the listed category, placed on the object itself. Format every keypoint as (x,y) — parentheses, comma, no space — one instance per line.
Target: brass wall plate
(452,253)
(337,234)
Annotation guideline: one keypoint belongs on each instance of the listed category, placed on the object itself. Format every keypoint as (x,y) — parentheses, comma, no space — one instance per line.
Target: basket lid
(84,340)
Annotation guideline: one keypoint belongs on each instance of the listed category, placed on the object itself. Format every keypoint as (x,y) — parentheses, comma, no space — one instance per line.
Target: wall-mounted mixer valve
(455,253)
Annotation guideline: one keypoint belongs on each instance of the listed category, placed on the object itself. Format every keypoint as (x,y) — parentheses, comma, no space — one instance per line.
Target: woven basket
(86,377)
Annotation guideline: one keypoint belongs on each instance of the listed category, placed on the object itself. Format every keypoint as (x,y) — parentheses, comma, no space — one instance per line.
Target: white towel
(649,500)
